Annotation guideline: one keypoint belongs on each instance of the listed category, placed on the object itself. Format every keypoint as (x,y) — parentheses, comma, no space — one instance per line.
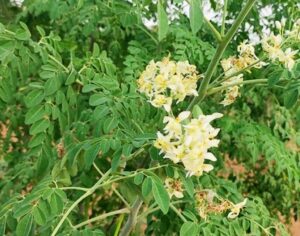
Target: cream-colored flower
(235,210)
(163,142)
(174,187)
(162,101)
(173,126)
(188,142)
(280,24)
(232,92)
(246,49)
(288,58)
(234,65)
(167,80)
(272,45)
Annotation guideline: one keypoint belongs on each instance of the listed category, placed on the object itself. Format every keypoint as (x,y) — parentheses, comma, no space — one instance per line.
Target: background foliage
(68,99)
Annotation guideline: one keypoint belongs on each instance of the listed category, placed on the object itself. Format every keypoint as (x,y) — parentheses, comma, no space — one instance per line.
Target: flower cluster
(188,141)
(234,65)
(206,203)
(174,187)
(209,202)
(166,80)
(273,44)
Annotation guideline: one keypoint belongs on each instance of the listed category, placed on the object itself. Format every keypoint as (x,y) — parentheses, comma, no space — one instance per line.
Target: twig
(254,81)
(132,218)
(114,190)
(74,188)
(178,212)
(213,30)
(85,195)
(103,216)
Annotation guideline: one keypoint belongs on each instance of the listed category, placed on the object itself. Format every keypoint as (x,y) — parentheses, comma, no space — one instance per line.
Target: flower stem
(74,188)
(85,195)
(224,17)
(254,81)
(213,30)
(178,213)
(114,189)
(101,217)
(218,81)
(220,50)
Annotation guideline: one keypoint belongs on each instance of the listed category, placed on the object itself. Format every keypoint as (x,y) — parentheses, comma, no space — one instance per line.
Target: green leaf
(24,226)
(91,154)
(190,215)
(47,74)
(22,210)
(96,50)
(39,126)
(34,98)
(138,179)
(163,25)
(100,112)
(52,85)
(2,225)
(34,114)
(196,16)
(109,83)
(274,77)
(98,99)
(56,203)
(197,111)
(41,31)
(160,194)
(116,160)
(6,50)
(105,145)
(290,98)
(188,185)
(89,87)
(37,140)
(23,33)
(71,78)
(109,124)
(189,229)
(127,149)
(154,153)
(42,163)
(39,215)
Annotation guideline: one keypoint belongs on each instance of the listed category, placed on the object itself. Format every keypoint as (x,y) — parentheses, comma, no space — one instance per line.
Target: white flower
(162,101)
(278,25)
(166,80)
(272,45)
(163,142)
(288,58)
(189,143)
(173,126)
(232,92)
(235,210)
(246,48)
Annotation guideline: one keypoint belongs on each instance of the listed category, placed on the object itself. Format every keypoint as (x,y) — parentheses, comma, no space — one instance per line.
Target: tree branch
(220,50)
(132,218)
